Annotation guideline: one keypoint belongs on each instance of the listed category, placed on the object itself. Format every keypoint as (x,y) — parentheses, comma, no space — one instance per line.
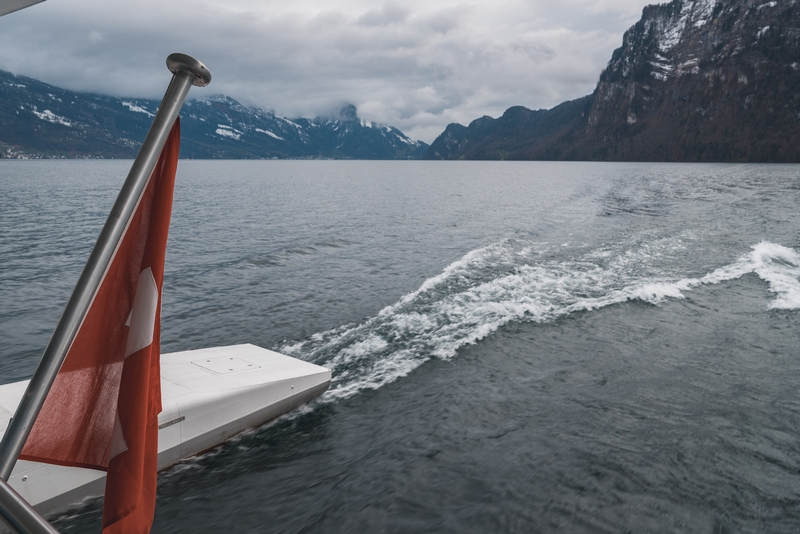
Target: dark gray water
(516,347)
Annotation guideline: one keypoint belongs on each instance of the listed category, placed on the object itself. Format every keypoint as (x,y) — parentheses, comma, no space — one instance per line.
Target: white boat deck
(208,395)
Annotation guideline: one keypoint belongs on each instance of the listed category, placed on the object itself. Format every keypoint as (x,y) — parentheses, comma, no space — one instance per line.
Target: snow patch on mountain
(290,122)
(226,131)
(137,109)
(697,13)
(278,137)
(406,140)
(49,116)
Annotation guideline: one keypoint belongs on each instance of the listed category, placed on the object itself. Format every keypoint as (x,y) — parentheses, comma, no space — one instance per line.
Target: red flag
(102,411)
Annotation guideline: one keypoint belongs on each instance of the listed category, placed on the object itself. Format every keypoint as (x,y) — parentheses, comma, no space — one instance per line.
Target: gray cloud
(389,14)
(416,65)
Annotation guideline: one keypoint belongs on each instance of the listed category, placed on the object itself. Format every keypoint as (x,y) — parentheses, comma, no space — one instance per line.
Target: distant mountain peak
(217,97)
(348,113)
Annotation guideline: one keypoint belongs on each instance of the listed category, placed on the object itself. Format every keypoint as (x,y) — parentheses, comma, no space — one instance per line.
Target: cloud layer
(415,65)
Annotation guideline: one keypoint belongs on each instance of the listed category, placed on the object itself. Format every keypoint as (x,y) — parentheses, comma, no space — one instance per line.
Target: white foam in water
(779,267)
(507,281)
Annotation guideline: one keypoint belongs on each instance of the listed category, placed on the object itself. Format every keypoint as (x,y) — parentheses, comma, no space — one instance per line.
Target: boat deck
(208,396)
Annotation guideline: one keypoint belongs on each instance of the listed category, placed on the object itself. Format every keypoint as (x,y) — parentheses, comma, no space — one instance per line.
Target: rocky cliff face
(704,80)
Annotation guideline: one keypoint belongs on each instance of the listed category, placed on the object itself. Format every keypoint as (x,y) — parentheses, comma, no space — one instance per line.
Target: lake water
(515,347)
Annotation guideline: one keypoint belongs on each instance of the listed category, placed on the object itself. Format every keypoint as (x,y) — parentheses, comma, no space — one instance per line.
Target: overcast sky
(417,65)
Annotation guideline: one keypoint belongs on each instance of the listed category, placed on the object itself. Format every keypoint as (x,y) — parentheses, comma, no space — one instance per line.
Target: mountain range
(694,80)
(40,120)
(703,80)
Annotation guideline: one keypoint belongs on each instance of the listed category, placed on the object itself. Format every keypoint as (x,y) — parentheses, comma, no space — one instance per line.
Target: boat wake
(515,280)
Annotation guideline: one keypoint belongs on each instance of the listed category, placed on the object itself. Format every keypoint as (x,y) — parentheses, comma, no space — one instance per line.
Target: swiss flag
(102,410)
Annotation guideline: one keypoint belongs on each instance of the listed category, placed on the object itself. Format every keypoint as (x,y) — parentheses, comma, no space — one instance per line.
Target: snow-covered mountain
(702,80)
(39,120)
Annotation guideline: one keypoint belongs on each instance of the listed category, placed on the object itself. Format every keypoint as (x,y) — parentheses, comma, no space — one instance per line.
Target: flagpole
(187,71)
(19,515)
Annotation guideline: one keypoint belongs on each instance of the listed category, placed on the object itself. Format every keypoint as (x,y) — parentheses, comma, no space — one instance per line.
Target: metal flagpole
(187,71)
(19,515)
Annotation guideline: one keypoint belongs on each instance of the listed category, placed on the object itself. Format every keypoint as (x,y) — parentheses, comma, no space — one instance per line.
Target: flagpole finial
(182,62)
